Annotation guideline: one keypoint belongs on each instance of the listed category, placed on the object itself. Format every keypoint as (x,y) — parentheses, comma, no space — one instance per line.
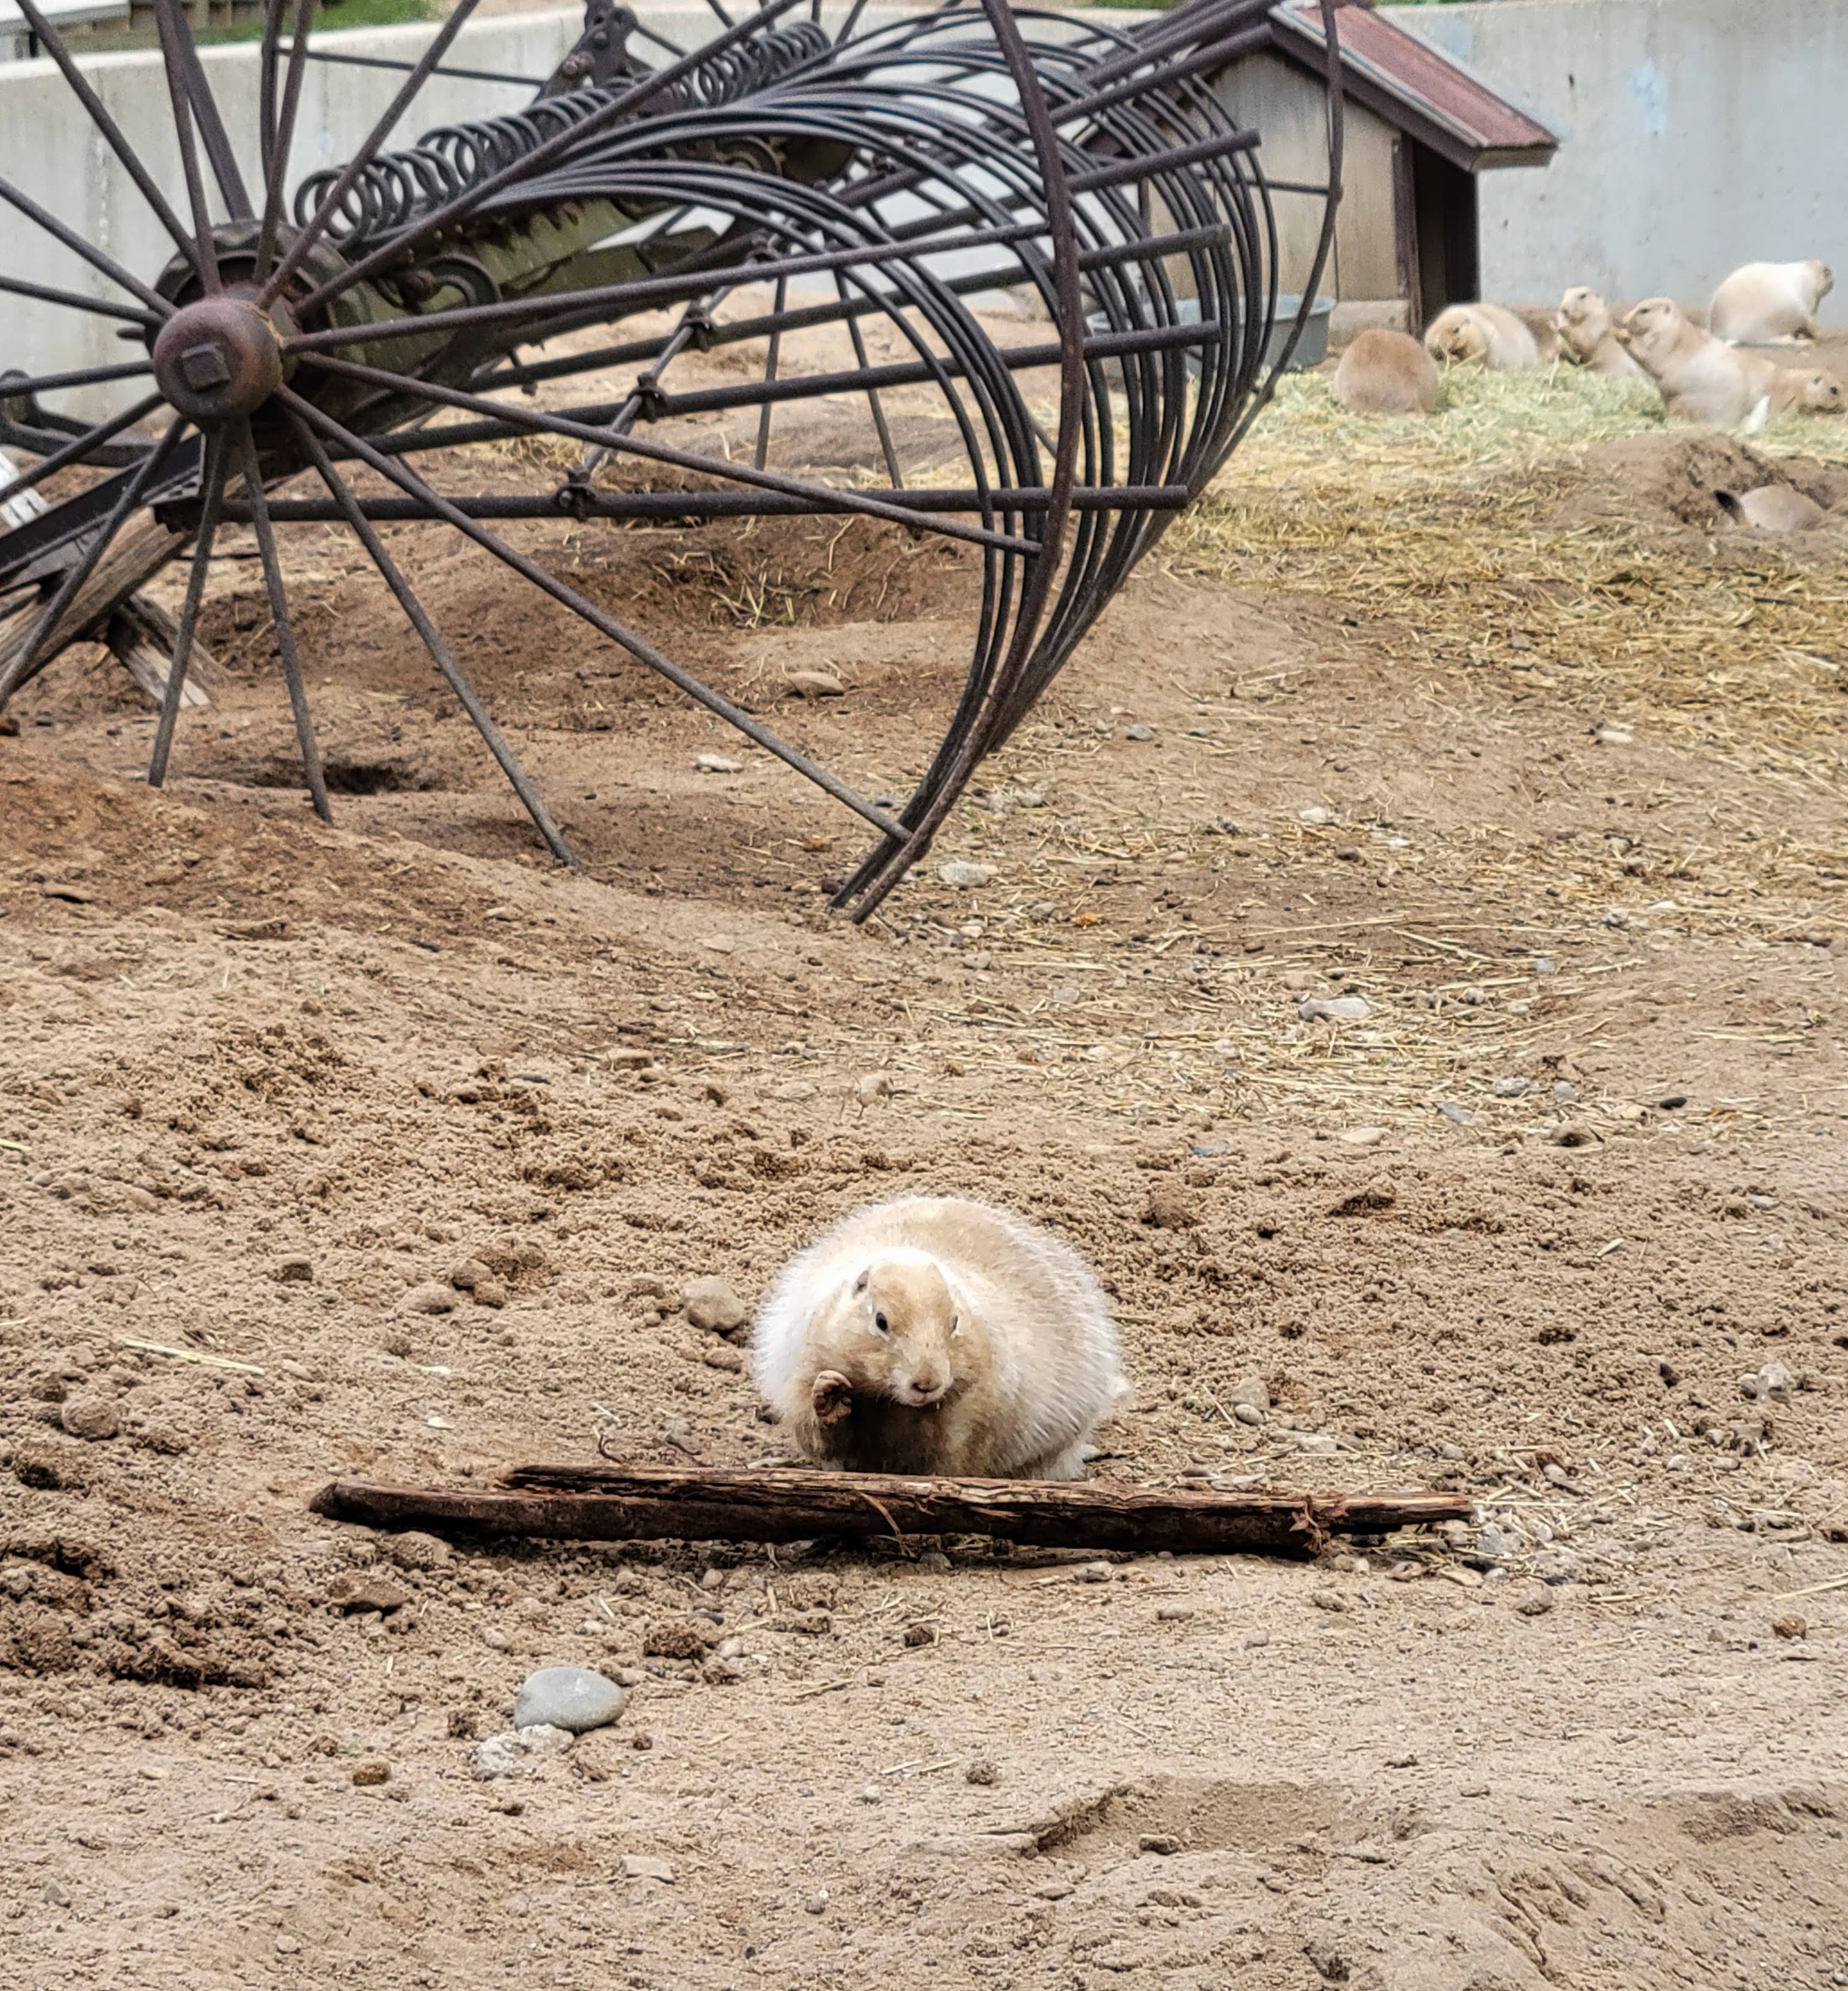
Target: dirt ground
(1521,1229)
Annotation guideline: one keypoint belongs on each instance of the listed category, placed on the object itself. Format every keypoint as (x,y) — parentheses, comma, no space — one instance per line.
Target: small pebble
(1545,964)
(1247,1414)
(1174,1614)
(645,1866)
(1334,1008)
(431,1297)
(817,1903)
(297,1269)
(816,684)
(413,1549)
(982,1771)
(1790,1626)
(372,1771)
(1361,1137)
(1452,1112)
(1315,815)
(1510,1088)
(1536,1603)
(1139,732)
(871,1794)
(964,875)
(1256,1640)
(716,764)
(288,1945)
(1405,1760)
(573,1698)
(1162,1842)
(518,1752)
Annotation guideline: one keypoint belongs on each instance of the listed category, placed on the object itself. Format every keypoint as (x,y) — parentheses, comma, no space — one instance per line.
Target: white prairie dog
(1772,508)
(1481,336)
(1587,332)
(1386,373)
(1804,390)
(1770,304)
(936,1336)
(1699,378)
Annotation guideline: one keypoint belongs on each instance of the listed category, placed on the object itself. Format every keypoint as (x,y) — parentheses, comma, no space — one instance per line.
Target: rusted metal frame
(75,451)
(281,139)
(17,198)
(86,376)
(183,62)
(213,487)
(166,13)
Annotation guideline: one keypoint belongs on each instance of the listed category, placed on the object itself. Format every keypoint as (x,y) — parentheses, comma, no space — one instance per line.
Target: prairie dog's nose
(923,1391)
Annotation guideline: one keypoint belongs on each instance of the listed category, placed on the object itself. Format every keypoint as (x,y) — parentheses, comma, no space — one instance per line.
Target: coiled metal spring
(396,186)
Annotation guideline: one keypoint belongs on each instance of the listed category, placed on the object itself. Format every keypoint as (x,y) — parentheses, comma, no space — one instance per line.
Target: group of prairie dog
(1701,376)
(940,1336)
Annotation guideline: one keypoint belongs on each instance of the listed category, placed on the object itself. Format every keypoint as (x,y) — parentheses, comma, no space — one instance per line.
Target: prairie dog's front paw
(832,1395)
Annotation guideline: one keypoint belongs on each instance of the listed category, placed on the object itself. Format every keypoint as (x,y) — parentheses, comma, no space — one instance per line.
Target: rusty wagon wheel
(301,330)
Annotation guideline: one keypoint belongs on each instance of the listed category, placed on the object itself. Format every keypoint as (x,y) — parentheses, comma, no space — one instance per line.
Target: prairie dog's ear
(859,1284)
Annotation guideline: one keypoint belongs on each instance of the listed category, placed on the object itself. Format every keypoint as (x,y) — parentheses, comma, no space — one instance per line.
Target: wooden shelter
(1419,131)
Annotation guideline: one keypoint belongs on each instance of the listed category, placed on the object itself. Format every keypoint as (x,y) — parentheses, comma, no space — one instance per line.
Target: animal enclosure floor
(1547,772)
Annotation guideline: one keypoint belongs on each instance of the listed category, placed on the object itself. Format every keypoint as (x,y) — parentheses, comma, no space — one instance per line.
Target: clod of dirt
(92,1417)
(415,1550)
(674,1638)
(466,1276)
(37,1641)
(1168,1210)
(1377,1194)
(711,1305)
(372,1771)
(816,684)
(521,1752)
(366,1590)
(519,1263)
(489,1292)
(964,875)
(430,1297)
(982,1771)
(297,1269)
(1791,1626)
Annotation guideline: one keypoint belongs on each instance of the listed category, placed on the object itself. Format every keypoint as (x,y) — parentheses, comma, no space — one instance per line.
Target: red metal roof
(1410,83)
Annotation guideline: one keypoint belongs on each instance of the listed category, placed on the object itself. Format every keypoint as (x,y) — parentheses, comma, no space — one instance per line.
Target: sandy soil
(268,1085)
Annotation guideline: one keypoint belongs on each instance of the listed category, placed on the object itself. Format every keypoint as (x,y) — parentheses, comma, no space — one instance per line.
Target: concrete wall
(1696,135)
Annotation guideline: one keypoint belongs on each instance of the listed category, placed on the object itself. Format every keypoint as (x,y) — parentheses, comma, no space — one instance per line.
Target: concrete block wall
(1695,135)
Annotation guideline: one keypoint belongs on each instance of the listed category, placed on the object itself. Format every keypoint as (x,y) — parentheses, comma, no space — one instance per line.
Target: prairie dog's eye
(880,1322)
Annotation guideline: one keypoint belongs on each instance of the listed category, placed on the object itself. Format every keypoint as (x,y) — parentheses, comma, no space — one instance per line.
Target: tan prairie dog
(1700,378)
(1482,335)
(1589,335)
(1386,373)
(936,1336)
(1770,304)
(1772,508)
(1797,390)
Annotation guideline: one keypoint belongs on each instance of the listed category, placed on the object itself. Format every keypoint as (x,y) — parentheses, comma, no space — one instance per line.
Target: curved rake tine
(213,491)
(364,531)
(569,140)
(176,35)
(29,662)
(643,652)
(282,137)
(52,43)
(872,400)
(312,230)
(285,628)
(15,197)
(770,374)
(81,446)
(680,459)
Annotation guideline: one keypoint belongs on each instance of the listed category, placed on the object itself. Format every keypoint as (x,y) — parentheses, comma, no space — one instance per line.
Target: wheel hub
(220,358)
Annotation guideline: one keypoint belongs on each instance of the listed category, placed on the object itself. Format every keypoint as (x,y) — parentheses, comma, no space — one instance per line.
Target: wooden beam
(783,1504)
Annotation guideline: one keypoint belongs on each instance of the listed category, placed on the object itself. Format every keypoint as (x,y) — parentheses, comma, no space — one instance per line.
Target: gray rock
(1510,1088)
(1247,1414)
(415,1551)
(1498,1545)
(431,1297)
(1335,1008)
(1773,1384)
(1251,1390)
(711,1305)
(716,764)
(1318,1444)
(1452,1112)
(645,1866)
(520,1752)
(1545,964)
(1564,1090)
(573,1698)
(1139,732)
(964,875)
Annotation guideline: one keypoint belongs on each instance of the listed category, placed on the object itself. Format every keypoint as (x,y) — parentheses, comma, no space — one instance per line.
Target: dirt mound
(1670,480)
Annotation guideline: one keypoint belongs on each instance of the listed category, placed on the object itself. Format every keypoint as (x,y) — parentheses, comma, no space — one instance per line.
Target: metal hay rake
(886,174)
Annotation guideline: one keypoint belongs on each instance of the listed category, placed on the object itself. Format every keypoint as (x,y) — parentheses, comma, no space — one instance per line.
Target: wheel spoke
(281,136)
(561,142)
(176,36)
(52,43)
(36,652)
(213,491)
(316,226)
(165,13)
(49,293)
(284,624)
(75,452)
(25,387)
(440,655)
(15,197)
(680,459)
(643,652)
(872,401)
